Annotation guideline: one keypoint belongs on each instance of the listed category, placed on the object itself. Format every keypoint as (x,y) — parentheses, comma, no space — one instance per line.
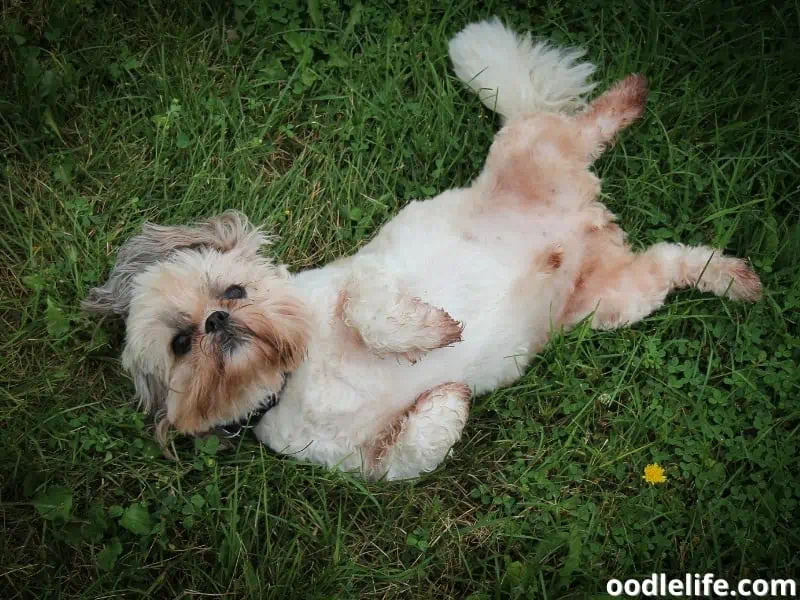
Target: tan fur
(612,279)
(386,439)
(541,163)
(749,281)
(213,383)
(209,388)
(554,259)
(351,338)
(612,112)
(527,159)
(459,389)
(282,335)
(448,328)
(542,159)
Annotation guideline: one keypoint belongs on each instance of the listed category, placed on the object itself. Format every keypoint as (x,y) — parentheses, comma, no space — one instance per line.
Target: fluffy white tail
(513,76)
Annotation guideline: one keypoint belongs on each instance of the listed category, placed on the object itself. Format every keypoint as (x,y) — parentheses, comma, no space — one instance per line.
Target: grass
(321,120)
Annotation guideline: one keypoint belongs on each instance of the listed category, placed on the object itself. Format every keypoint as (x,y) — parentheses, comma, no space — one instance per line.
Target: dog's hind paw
(745,284)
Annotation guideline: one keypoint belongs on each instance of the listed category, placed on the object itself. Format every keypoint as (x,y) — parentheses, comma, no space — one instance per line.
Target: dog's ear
(229,231)
(151,391)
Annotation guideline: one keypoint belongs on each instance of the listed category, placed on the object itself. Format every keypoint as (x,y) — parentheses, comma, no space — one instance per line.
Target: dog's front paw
(429,328)
(440,330)
(448,330)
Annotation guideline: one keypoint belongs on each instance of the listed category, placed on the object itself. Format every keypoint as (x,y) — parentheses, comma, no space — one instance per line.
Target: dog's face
(212,326)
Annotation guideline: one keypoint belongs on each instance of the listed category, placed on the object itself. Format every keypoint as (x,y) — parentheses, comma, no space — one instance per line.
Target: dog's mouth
(229,336)
(236,428)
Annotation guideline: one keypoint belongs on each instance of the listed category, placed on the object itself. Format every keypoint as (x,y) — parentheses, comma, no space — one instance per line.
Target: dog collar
(250,420)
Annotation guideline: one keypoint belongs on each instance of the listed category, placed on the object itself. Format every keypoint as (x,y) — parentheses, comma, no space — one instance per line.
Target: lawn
(321,120)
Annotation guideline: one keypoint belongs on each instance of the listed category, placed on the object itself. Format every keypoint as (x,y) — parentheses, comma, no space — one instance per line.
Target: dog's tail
(514,76)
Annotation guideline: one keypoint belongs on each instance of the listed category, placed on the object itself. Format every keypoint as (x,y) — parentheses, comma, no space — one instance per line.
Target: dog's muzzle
(235,428)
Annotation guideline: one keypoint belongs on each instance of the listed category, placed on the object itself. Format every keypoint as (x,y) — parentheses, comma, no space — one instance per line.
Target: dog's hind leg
(628,287)
(418,440)
(610,113)
(541,160)
(390,321)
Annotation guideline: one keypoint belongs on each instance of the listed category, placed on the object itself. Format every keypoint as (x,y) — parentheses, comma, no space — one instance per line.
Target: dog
(369,364)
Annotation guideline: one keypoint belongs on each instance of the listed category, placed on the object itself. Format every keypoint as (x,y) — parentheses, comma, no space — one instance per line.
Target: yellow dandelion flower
(654,474)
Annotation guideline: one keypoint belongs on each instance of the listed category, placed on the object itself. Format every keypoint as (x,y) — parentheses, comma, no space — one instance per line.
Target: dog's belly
(484,270)
(507,318)
(488,270)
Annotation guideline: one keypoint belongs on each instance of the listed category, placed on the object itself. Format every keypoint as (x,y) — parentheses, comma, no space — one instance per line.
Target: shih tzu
(452,298)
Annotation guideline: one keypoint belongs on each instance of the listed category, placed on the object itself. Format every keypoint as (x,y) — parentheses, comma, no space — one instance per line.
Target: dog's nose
(216,321)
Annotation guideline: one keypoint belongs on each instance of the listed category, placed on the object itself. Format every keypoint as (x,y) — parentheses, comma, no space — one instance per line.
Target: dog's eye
(181,344)
(235,292)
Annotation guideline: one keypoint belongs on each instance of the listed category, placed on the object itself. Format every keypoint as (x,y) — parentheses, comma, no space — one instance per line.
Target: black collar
(250,420)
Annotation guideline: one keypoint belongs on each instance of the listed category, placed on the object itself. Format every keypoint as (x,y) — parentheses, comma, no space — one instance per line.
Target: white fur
(513,76)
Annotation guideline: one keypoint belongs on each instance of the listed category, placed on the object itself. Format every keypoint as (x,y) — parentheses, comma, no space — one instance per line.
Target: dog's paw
(744,284)
(448,330)
(440,330)
(429,328)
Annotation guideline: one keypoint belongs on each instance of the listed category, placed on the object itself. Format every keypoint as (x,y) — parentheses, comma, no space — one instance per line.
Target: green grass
(321,121)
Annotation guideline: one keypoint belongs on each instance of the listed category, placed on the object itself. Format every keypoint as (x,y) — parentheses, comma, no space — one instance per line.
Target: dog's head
(211,325)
